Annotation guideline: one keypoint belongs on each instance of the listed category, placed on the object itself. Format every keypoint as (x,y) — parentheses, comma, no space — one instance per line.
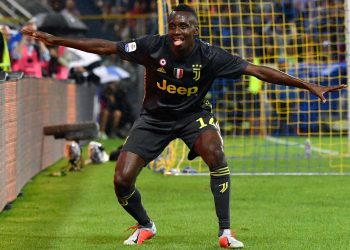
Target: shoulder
(204,46)
(147,42)
(211,51)
(151,40)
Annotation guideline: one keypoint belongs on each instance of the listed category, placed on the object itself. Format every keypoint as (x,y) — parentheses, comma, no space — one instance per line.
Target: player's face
(182,29)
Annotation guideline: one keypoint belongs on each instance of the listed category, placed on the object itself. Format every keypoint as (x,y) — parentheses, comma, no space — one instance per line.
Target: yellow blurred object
(254,83)
(5,63)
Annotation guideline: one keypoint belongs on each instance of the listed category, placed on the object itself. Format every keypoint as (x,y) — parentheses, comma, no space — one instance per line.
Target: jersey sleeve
(135,50)
(227,65)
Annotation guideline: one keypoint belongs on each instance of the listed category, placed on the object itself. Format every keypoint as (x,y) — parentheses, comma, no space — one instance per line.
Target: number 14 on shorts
(212,121)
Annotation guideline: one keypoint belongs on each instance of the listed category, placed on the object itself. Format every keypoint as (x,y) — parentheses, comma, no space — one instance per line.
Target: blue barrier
(308,110)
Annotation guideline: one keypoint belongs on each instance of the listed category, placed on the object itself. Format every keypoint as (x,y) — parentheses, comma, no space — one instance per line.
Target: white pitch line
(290,143)
(266,174)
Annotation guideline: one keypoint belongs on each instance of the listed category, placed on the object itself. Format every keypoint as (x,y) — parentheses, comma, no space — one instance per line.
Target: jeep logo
(172,89)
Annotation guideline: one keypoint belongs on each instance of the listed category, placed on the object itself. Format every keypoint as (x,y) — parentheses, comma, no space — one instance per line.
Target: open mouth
(178,41)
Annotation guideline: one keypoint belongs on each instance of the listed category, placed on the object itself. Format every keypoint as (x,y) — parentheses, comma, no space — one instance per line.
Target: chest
(188,71)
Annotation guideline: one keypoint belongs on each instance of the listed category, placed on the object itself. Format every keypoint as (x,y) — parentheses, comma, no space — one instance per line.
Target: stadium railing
(26,106)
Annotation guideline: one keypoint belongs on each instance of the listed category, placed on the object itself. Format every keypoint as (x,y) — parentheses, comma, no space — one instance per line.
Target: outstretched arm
(97,46)
(271,75)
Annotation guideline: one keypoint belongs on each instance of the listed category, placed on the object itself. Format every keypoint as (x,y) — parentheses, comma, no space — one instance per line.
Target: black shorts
(150,135)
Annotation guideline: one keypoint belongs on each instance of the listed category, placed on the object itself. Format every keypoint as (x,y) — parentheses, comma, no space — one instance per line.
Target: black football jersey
(176,87)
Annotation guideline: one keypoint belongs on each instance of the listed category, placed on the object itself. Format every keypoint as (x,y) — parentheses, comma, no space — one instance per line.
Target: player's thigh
(148,139)
(201,123)
(209,146)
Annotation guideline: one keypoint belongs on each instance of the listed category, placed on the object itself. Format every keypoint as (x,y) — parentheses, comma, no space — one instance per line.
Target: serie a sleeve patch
(130,47)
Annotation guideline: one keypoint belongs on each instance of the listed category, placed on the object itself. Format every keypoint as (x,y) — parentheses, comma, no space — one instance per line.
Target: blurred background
(114,20)
(267,128)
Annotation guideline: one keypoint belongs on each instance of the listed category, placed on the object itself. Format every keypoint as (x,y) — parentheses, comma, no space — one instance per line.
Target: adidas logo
(161,70)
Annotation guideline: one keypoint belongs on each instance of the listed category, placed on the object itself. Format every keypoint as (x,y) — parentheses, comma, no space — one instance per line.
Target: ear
(196,33)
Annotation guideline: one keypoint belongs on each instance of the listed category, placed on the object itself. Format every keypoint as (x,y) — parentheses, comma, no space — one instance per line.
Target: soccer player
(180,69)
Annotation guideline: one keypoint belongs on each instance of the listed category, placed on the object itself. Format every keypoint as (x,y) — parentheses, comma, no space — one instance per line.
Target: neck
(183,53)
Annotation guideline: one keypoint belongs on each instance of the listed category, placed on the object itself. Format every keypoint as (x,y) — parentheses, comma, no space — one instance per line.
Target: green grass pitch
(79,211)
(257,154)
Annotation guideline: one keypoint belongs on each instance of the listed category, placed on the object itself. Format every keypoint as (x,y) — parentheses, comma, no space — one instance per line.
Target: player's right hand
(41,36)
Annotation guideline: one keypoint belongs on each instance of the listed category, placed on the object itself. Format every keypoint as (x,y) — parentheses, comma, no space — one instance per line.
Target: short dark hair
(185,8)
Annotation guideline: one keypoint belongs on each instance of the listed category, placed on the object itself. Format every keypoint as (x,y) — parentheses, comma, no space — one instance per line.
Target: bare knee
(210,147)
(127,168)
(122,183)
(216,157)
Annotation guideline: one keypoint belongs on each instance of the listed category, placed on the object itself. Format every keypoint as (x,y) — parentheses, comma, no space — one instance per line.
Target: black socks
(220,187)
(131,202)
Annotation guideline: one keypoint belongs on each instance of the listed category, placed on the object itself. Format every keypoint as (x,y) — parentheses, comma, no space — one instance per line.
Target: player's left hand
(320,90)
